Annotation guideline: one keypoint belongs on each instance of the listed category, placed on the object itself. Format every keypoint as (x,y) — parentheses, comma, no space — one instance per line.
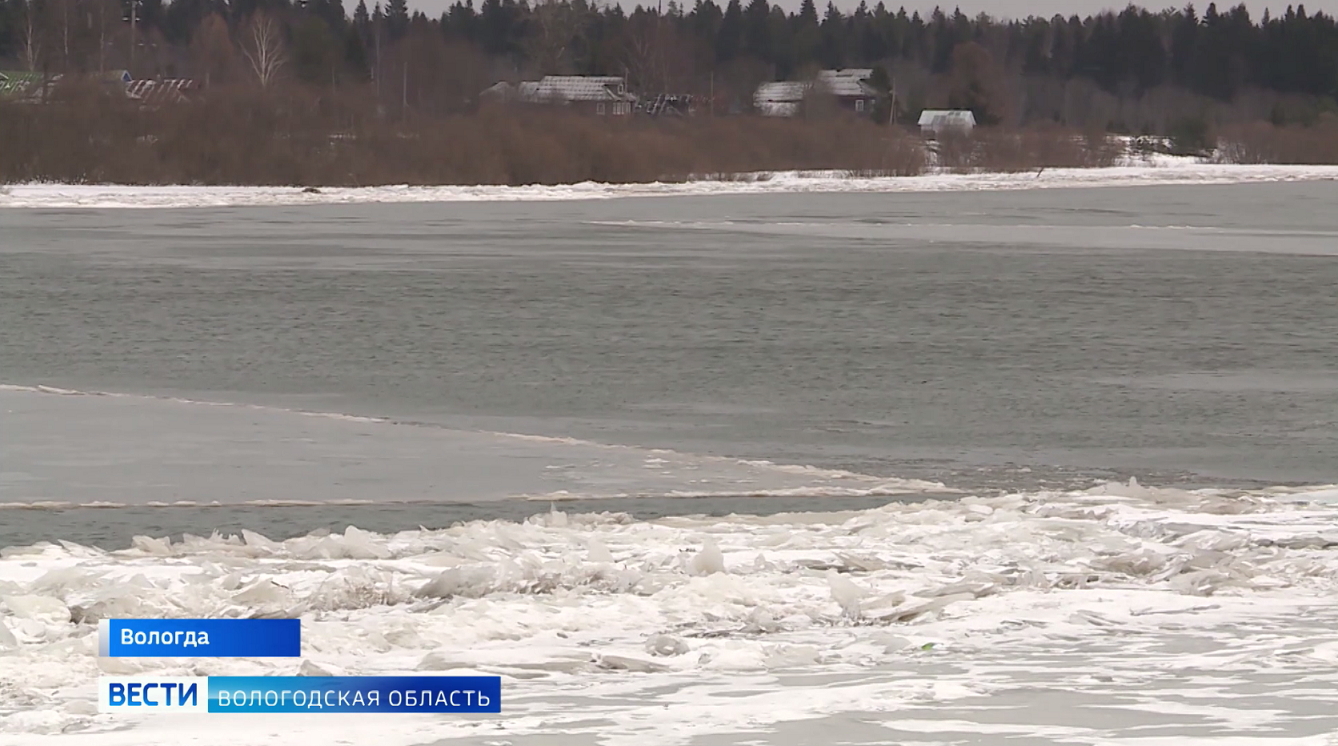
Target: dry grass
(1028,149)
(1262,142)
(295,139)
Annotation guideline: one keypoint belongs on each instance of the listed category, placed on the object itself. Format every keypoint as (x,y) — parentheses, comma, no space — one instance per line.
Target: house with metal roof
(849,87)
(603,95)
(36,87)
(936,122)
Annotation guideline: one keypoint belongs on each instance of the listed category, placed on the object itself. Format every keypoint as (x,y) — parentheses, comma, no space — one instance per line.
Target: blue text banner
(200,638)
(343,694)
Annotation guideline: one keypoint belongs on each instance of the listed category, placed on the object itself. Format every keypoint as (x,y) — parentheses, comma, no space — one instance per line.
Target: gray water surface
(1178,334)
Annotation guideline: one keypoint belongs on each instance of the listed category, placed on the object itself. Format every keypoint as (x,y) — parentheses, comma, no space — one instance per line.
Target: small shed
(780,99)
(935,122)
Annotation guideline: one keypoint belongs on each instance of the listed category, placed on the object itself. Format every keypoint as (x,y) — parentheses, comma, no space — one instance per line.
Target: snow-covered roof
(947,118)
(578,88)
(847,82)
(22,84)
(159,91)
(785,91)
(15,86)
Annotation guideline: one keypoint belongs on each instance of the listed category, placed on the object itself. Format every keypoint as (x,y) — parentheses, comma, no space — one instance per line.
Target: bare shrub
(1263,142)
(287,135)
(1027,149)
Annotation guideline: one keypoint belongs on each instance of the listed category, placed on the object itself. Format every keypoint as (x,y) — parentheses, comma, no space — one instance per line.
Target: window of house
(599,108)
(859,105)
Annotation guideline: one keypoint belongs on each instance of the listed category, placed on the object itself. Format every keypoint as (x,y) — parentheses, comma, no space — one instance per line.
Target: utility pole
(892,115)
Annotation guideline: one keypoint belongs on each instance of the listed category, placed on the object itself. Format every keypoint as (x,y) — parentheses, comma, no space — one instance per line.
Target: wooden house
(849,89)
(597,95)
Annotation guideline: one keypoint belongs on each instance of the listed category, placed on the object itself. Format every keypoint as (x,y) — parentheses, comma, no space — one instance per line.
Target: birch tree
(262,45)
(32,38)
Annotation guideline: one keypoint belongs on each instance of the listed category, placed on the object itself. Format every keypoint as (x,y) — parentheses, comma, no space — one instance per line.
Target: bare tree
(641,54)
(975,81)
(421,56)
(65,33)
(75,28)
(557,25)
(657,57)
(819,102)
(32,39)
(262,45)
(211,48)
(102,35)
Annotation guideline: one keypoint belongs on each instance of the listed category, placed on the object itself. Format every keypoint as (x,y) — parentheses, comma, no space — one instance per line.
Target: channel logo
(162,694)
(290,694)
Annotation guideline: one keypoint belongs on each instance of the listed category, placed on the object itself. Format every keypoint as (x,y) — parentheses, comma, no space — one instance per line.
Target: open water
(787,469)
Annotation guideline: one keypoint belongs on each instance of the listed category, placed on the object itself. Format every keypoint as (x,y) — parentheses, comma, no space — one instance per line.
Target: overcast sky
(997,8)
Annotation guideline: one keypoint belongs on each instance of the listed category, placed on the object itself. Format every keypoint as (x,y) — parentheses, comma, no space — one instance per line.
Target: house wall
(862,105)
(935,130)
(602,108)
(777,108)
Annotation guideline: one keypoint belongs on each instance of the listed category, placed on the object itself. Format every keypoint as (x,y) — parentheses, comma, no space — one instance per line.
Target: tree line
(1135,71)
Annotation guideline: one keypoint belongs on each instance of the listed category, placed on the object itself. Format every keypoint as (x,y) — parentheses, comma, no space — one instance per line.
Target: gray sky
(997,8)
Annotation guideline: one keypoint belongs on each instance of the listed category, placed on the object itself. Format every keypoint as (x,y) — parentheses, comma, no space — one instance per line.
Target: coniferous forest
(279,79)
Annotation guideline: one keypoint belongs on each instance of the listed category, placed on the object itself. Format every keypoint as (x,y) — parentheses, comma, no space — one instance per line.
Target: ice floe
(1074,617)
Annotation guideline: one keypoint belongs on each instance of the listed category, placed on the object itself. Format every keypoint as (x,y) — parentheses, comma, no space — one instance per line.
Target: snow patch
(1134,171)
